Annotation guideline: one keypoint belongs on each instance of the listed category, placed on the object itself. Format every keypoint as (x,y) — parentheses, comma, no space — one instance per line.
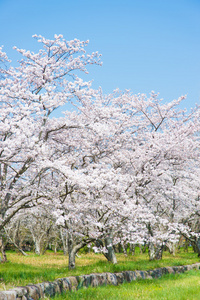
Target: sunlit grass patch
(49,259)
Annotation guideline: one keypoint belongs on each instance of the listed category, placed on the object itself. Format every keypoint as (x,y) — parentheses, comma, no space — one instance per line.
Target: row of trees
(37,232)
(115,168)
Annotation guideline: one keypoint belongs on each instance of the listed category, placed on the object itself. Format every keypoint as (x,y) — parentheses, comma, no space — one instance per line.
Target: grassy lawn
(170,287)
(22,270)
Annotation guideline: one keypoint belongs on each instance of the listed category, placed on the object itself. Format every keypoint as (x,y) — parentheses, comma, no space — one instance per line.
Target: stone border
(62,285)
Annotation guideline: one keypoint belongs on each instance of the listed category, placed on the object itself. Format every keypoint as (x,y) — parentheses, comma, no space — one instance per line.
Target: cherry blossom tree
(126,152)
(116,168)
(29,94)
(165,156)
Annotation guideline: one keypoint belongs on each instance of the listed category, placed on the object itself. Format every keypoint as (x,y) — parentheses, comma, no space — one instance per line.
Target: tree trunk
(143,248)
(110,255)
(132,249)
(155,251)
(12,241)
(186,245)
(72,257)
(19,248)
(37,246)
(73,249)
(172,248)
(55,247)
(64,240)
(2,249)
(71,252)
(124,248)
(196,246)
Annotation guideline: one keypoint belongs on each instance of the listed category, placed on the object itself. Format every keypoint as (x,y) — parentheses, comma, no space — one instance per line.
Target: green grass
(22,270)
(169,287)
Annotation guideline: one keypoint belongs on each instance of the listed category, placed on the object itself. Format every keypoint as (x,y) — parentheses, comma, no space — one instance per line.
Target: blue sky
(145,44)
